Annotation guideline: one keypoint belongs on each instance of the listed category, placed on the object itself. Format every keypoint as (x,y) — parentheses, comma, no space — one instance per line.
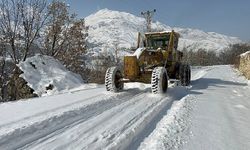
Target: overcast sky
(230,17)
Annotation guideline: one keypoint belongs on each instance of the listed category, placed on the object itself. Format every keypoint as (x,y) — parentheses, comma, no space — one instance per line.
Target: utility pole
(148,15)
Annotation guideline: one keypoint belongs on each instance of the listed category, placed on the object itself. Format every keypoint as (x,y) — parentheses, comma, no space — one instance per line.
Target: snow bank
(47,76)
(171,131)
(245,54)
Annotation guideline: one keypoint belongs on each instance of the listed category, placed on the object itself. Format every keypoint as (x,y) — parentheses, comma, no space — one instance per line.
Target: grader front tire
(159,80)
(112,79)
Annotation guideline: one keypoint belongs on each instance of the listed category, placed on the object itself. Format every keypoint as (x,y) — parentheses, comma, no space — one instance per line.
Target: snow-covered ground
(221,117)
(213,113)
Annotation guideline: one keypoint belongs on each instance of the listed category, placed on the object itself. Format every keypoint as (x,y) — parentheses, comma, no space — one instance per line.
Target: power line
(148,15)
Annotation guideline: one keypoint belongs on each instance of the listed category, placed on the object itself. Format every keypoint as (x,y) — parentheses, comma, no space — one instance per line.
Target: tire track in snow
(175,93)
(116,128)
(63,119)
(126,123)
(85,128)
(172,130)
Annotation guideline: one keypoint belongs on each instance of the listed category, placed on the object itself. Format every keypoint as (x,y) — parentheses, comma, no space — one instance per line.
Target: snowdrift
(244,65)
(47,76)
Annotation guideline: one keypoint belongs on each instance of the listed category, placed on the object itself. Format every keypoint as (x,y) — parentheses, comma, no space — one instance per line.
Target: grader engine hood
(147,57)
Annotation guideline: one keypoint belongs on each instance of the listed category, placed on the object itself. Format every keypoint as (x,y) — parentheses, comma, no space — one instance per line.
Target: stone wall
(244,65)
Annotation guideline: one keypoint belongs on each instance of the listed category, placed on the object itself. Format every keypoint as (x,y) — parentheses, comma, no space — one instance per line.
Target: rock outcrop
(244,65)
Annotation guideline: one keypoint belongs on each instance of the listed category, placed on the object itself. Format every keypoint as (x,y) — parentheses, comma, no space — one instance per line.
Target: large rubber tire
(184,74)
(188,75)
(159,80)
(112,79)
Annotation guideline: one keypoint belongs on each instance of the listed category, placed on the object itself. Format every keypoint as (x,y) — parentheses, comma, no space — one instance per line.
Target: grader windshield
(157,40)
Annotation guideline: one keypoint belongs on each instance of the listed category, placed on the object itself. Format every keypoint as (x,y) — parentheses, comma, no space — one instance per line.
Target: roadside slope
(220,119)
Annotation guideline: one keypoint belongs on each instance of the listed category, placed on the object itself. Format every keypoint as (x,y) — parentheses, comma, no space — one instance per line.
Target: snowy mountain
(108,28)
(195,39)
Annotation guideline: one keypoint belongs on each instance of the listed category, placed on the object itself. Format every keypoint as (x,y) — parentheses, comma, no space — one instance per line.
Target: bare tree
(230,54)
(74,47)
(59,21)
(3,77)
(20,24)
(10,25)
(200,57)
(33,17)
(65,37)
(116,48)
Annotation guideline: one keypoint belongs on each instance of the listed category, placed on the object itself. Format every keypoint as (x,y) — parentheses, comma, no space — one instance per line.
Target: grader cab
(157,62)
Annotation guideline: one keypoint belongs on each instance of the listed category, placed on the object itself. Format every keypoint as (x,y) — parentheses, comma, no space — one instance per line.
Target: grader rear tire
(185,74)
(112,79)
(159,80)
(182,74)
(188,75)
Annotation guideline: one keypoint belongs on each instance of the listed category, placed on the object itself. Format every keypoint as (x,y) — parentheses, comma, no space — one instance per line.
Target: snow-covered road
(221,117)
(213,113)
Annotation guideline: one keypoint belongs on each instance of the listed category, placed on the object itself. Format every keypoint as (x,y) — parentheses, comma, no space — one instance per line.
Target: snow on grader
(157,63)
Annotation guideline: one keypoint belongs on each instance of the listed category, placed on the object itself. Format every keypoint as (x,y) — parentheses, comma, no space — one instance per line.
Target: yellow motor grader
(157,62)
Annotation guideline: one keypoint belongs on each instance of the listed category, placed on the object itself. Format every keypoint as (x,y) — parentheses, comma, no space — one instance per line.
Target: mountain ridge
(109,29)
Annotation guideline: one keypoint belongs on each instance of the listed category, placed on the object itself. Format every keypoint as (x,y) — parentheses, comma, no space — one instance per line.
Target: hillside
(108,27)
